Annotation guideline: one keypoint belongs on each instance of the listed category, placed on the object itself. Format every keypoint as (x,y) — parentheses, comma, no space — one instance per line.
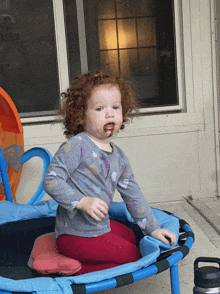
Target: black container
(207,278)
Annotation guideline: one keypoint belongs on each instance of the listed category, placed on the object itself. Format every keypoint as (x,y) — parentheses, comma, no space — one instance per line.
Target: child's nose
(110,112)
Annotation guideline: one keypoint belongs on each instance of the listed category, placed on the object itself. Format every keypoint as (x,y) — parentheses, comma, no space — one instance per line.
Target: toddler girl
(86,170)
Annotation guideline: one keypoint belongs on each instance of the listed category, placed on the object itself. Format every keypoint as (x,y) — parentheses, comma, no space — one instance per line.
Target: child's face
(104,114)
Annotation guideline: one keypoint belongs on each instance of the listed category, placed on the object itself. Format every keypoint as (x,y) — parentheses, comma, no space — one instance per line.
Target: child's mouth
(109,126)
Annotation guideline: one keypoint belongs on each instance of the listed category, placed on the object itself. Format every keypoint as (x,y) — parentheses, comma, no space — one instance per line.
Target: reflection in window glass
(135,8)
(109,61)
(146,32)
(28,57)
(148,61)
(107,9)
(129,62)
(107,34)
(127,33)
(136,39)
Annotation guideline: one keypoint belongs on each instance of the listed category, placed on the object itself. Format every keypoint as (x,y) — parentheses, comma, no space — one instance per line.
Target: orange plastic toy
(11,141)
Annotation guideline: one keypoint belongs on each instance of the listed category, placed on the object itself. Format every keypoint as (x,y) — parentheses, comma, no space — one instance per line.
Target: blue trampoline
(21,224)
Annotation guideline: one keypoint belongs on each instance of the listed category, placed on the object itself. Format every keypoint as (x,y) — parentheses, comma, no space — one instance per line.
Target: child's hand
(160,234)
(94,207)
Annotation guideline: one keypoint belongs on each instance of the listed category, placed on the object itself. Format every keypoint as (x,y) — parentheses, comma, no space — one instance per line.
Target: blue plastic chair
(34,152)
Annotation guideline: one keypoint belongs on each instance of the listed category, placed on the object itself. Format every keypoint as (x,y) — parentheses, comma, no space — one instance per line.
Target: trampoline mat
(17,240)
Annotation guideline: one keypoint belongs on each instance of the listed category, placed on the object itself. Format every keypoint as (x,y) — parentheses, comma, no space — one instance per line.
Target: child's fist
(94,207)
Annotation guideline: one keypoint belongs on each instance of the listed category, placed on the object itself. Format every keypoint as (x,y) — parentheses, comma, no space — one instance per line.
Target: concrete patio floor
(203,216)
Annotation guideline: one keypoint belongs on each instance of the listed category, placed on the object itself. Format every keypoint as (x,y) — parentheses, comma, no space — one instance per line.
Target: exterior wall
(173,155)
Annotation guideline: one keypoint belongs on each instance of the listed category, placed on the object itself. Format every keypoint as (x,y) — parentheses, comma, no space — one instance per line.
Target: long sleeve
(135,201)
(58,183)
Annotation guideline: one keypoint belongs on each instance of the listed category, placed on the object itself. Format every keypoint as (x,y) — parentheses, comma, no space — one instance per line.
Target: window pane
(128,63)
(146,90)
(127,33)
(28,57)
(131,8)
(146,28)
(107,34)
(148,61)
(106,9)
(125,8)
(109,61)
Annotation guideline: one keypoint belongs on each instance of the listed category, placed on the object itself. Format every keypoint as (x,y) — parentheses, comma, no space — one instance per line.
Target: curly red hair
(74,105)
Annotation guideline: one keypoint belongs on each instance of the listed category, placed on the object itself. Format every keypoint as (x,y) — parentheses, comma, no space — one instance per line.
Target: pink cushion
(47,260)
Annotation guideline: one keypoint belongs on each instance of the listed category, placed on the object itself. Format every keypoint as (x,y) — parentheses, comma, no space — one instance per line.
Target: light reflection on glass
(107,34)
(129,62)
(127,33)
(106,9)
(137,42)
(109,61)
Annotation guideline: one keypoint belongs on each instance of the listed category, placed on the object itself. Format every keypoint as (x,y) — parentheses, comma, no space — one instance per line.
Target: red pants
(98,253)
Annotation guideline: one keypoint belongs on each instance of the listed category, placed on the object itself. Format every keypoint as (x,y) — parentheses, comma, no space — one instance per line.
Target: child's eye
(99,109)
(116,107)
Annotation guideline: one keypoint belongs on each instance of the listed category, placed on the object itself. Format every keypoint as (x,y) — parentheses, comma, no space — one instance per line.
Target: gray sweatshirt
(80,168)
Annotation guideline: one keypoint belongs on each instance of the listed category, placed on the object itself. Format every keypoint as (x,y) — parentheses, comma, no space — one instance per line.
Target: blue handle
(5,179)
(45,155)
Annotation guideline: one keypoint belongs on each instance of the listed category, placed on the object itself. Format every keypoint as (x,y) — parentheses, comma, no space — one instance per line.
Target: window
(28,56)
(136,40)
(45,44)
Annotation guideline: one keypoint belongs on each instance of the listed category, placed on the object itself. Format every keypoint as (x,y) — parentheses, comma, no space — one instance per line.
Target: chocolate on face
(109,128)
